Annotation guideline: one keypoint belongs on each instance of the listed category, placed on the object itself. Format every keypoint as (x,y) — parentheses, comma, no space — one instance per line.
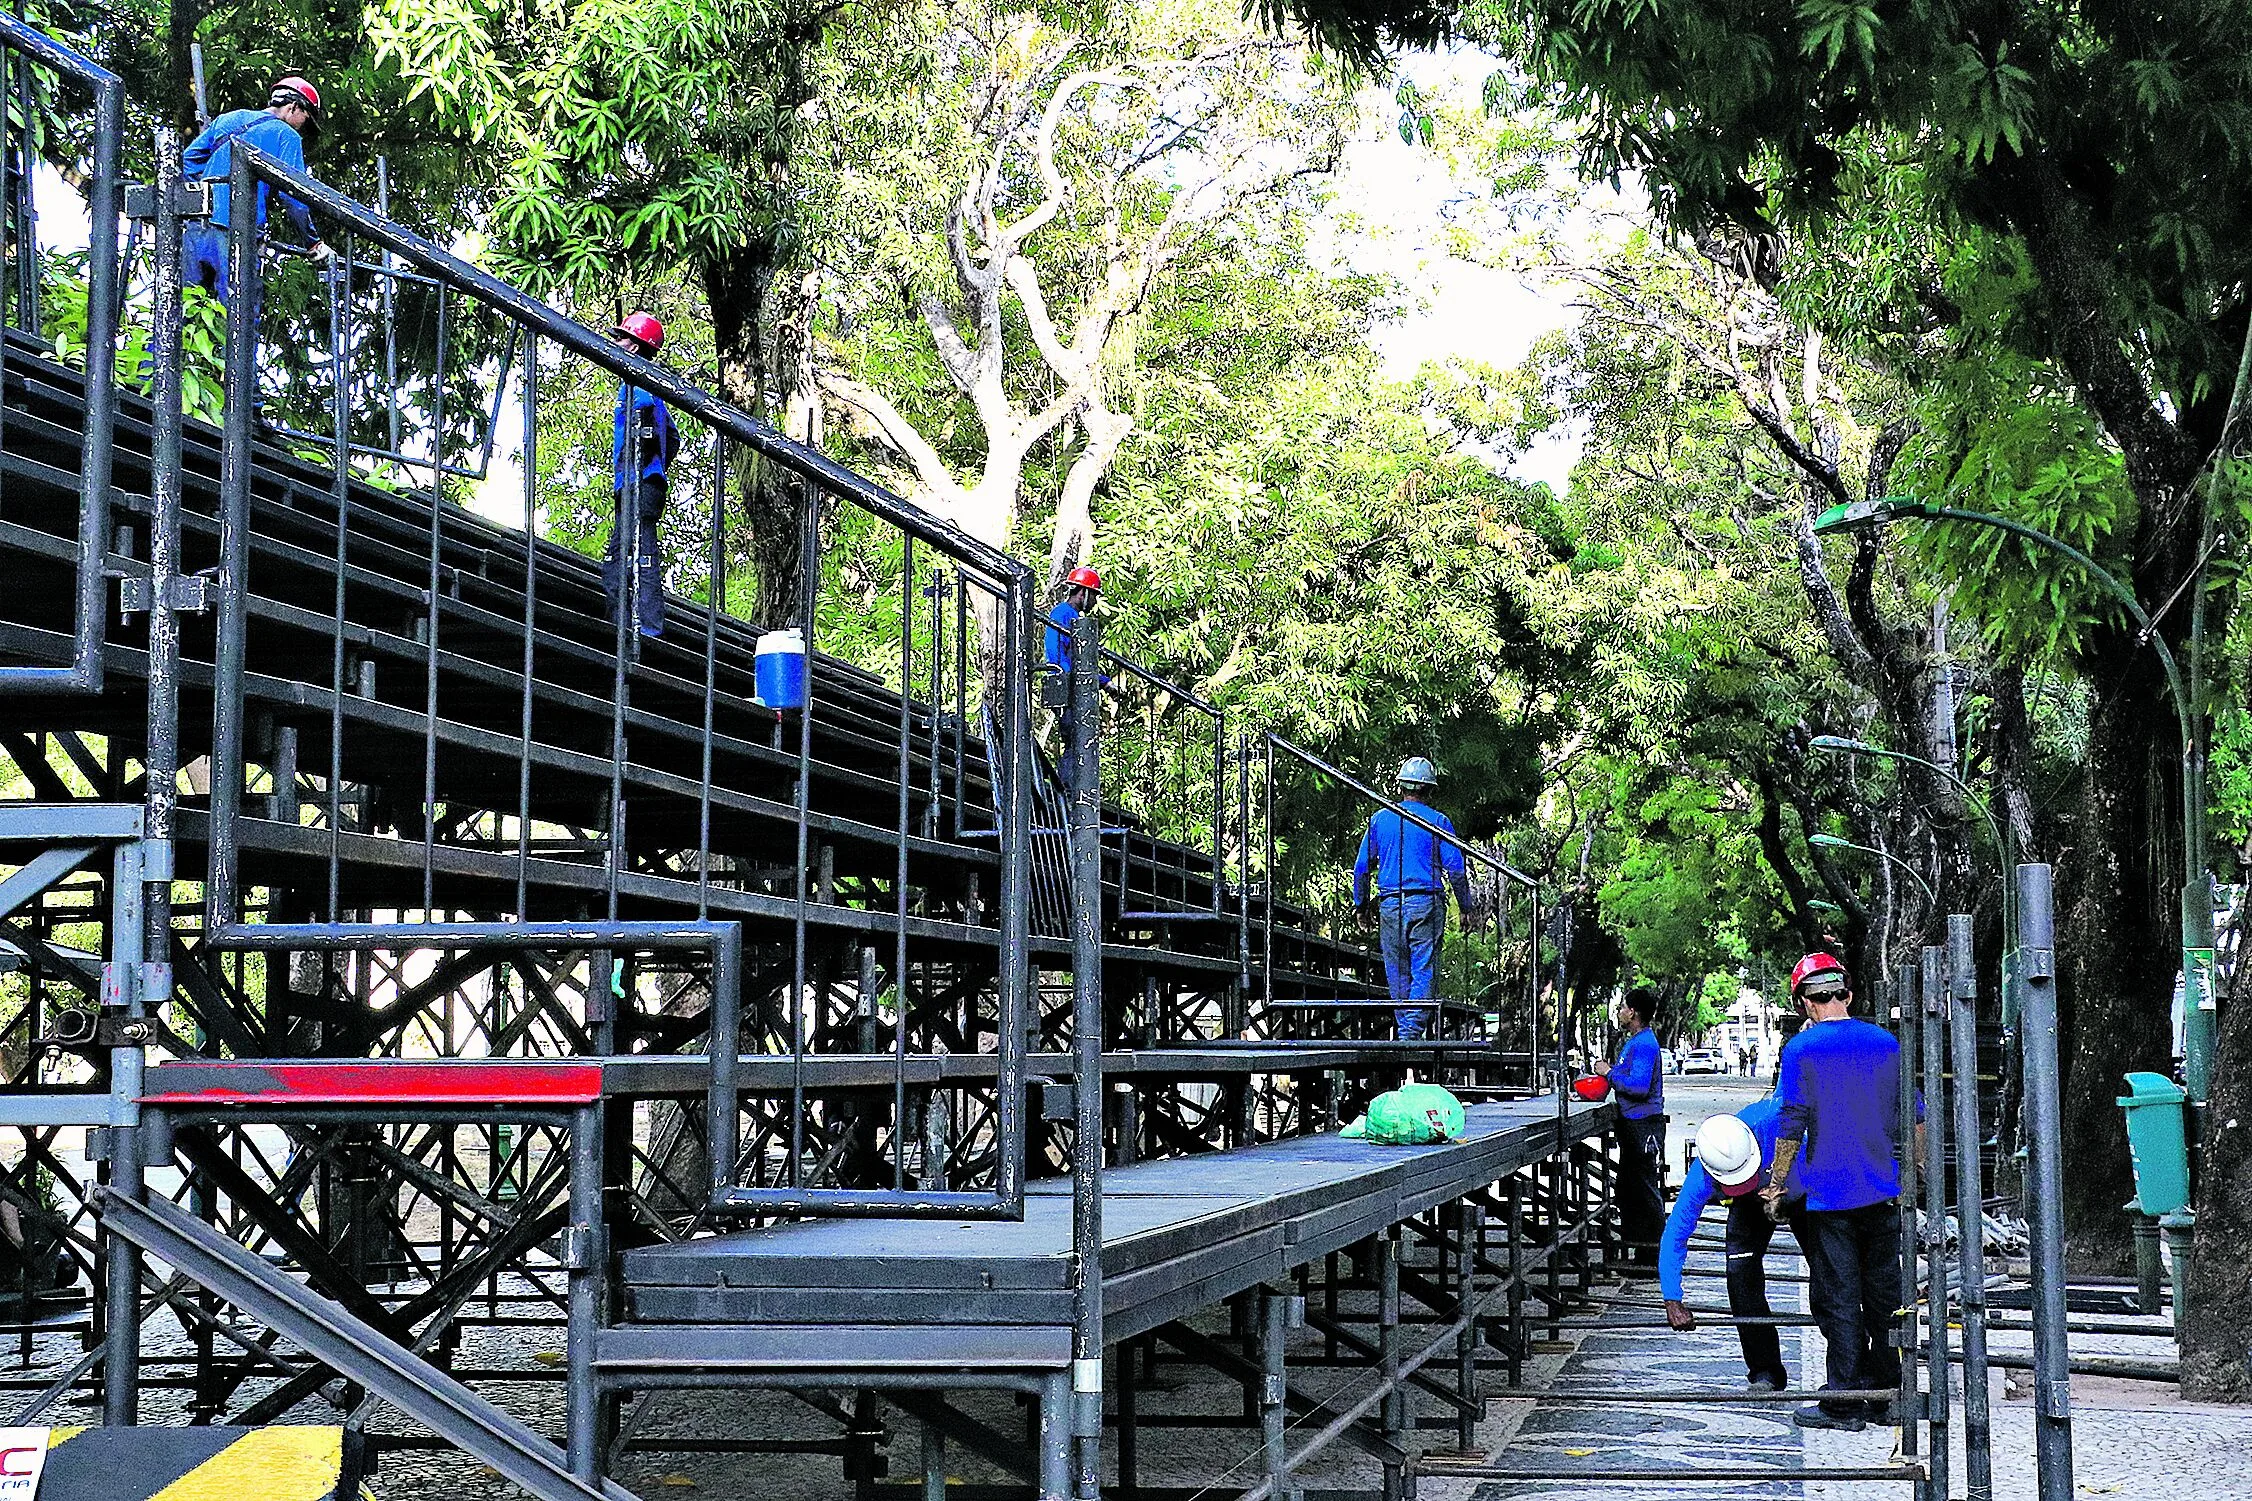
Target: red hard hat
(1816,964)
(643,330)
(1085,578)
(301,88)
(1591,1086)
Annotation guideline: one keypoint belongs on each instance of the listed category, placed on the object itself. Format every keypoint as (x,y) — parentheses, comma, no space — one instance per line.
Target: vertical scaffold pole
(1470,1232)
(1085,751)
(2052,1380)
(1934,998)
(1395,1419)
(584,1259)
(1274,1341)
(1970,1209)
(1901,1335)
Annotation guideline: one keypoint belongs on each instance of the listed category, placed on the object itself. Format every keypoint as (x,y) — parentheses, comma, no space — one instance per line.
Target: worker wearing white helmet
(1409,860)
(1732,1155)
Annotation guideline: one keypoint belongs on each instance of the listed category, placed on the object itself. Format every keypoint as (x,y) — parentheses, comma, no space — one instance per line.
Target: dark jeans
(650,614)
(1642,1195)
(203,263)
(1750,1232)
(1414,922)
(1853,1257)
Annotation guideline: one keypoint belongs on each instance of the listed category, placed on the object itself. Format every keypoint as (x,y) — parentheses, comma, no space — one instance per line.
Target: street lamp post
(1833,842)
(2198,1015)
(2004,849)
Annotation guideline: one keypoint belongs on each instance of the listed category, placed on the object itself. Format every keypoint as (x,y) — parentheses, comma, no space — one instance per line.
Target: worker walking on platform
(642,446)
(1732,1154)
(1639,1080)
(1082,591)
(277,131)
(1412,868)
(1839,1094)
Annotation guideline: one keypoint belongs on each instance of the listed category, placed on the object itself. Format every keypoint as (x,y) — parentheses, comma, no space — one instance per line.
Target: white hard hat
(1730,1153)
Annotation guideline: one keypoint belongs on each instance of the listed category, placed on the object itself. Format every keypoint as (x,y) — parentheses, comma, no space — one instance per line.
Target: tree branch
(897,433)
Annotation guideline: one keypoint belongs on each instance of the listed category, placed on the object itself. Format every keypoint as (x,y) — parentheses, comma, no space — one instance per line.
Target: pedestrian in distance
(643,441)
(1406,870)
(1733,1152)
(1638,1079)
(1839,1094)
(277,131)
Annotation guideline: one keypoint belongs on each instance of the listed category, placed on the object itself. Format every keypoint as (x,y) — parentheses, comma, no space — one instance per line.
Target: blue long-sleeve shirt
(1057,642)
(1698,1190)
(210,157)
(1639,1077)
(1839,1089)
(1405,858)
(653,451)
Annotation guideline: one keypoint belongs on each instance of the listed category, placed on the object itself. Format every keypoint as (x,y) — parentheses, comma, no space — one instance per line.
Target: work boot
(1818,1416)
(1763,1384)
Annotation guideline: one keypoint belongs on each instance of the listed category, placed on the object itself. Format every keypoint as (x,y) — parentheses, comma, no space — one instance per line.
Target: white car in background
(1704,1061)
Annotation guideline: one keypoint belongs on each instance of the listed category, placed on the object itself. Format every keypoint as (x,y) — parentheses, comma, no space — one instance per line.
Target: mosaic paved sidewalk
(1622,1353)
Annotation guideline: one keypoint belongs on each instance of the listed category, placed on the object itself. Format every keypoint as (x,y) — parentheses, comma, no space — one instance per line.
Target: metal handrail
(1011,582)
(91,612)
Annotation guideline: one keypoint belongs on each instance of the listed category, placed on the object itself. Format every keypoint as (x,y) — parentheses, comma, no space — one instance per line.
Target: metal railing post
(2052,1378)
(121,1359)
(222,901)
(1970,1209)
(1901,1334)
(1085,753)
(1934,998)
(90,621)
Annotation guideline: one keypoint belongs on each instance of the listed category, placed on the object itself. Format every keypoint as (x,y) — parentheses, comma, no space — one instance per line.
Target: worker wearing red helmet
(277,131)
(1083,588)
(1838,1088)
(643,441)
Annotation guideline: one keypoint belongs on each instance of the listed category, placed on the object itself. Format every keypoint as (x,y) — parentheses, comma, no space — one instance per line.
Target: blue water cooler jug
(781,669)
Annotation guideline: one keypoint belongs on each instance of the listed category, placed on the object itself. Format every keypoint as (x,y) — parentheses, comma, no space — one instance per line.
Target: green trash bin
(2158,1140)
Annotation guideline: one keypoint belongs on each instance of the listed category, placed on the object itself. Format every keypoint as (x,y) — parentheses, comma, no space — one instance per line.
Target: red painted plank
(377,1081)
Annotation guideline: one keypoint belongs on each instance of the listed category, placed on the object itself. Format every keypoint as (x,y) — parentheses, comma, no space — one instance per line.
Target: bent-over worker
(1732,1154)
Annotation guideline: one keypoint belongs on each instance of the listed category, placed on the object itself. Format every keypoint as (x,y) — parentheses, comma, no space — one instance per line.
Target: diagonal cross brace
(46,868)
(351,1347)
(1202,1347)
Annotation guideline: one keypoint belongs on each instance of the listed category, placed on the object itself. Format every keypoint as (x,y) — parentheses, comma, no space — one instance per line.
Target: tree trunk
(739,287)
(2120,937)
(2217,1335)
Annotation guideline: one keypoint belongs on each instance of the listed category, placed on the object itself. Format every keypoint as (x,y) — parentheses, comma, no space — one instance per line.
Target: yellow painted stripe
(274,1464)
(57,1437)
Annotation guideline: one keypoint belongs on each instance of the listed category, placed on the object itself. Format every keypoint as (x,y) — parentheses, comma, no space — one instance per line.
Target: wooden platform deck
(1179,1234)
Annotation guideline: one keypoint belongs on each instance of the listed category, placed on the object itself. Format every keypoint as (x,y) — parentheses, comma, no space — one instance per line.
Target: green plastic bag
(1411,1116)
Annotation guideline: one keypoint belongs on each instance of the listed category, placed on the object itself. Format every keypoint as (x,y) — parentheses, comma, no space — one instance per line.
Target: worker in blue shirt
(1732,1156)
(277,131)
(1412,869)
(1838,1089)
(1082,590)
(643,441)
(1639,1081)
